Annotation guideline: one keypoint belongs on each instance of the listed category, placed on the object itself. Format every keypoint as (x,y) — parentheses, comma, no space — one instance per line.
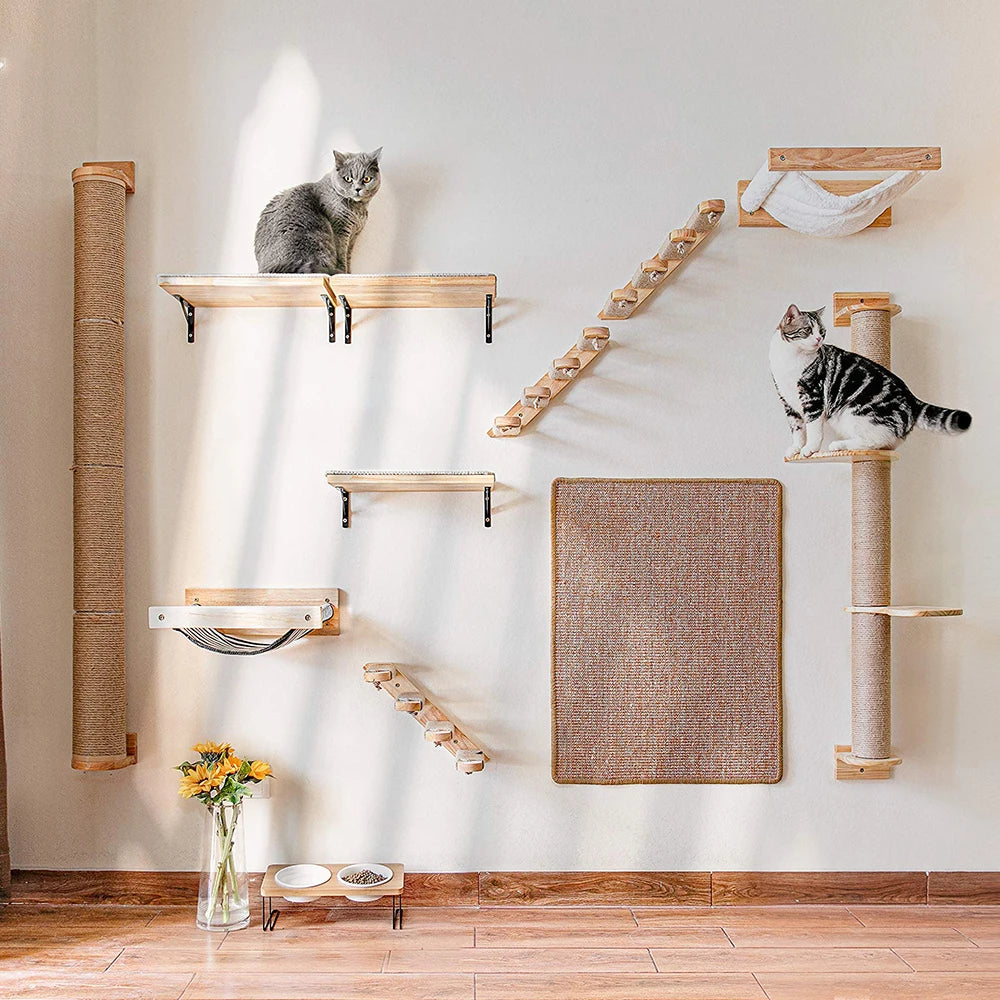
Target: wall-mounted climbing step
(653,273)
(348,291)
(438,728)
(535,398)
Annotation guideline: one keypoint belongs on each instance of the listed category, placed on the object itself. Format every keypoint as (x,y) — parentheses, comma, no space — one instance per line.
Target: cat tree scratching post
(871,567)
(100,742)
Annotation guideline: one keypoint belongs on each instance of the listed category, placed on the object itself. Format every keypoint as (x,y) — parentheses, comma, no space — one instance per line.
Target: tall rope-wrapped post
(871,571)
(100,742)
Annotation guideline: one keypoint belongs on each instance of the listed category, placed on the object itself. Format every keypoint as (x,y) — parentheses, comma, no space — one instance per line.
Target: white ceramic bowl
(302,877)
(361,896)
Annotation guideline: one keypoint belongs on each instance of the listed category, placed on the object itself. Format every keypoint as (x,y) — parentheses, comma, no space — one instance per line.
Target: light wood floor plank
(678,960)
(382,938)
(745,916)
(917,986)
(616,987)
(91,986)
(940,916)
(951,959)
(860,937)
(283,961)
(522,960)
(212,986)
(548,937)
(58,957)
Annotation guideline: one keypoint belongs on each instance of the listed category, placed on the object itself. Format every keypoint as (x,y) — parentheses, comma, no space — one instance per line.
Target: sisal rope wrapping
(871,572)
(99,691)
(99,741)
(98,392)
(98,538)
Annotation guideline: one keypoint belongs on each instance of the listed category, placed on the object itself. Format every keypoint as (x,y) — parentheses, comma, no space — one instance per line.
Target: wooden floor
(507,953)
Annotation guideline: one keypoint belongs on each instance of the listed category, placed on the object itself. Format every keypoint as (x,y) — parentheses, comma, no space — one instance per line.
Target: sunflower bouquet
(221,779)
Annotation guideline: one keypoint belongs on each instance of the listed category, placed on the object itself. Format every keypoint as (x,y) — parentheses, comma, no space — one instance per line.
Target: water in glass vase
(223,894)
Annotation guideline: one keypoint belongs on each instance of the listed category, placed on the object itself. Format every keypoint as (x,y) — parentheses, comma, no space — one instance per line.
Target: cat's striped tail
(943,420)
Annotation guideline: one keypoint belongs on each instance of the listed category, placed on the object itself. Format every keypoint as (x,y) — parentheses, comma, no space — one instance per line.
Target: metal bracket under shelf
(188,311)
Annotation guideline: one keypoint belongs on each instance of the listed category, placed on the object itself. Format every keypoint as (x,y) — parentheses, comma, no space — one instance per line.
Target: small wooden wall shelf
(905,611)
(252,613)
(349,291)
(412,482)
(850,768)
(653,273)
(846,304)
(868,455)
(438,728)
(536,398)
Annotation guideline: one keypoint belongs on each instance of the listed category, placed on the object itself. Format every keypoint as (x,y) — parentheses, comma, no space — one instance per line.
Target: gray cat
(864,404)
(312,228)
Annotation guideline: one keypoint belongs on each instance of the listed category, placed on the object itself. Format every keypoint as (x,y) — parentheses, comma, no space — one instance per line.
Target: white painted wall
(554,144)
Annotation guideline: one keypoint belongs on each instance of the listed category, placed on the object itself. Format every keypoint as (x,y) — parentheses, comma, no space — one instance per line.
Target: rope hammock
(219,642)
(800,203)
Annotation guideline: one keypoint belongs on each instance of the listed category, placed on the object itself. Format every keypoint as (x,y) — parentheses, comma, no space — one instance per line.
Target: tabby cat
(866,405)
(312,228)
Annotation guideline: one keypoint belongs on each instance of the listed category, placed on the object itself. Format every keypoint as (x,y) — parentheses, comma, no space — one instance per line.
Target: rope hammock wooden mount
(439,730)
(250,622)
(869,756)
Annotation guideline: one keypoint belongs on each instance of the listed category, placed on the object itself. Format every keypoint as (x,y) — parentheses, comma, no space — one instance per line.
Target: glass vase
(223,893)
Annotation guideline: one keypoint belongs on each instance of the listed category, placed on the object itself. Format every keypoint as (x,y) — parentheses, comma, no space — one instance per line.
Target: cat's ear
(374,156)
(792,312)
(820,311)
(340,158)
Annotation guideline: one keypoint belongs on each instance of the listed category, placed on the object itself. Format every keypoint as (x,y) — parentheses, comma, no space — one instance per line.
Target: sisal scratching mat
(666,631)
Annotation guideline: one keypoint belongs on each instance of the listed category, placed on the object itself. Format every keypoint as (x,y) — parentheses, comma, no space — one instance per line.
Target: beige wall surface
(554,144)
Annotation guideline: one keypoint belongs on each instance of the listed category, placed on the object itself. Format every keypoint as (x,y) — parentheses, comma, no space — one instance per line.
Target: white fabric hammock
(798,202)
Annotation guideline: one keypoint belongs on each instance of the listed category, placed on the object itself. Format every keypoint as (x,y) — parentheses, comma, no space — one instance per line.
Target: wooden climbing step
(438,728)
(562,373)
(864,455)
(653,273)
(905,611)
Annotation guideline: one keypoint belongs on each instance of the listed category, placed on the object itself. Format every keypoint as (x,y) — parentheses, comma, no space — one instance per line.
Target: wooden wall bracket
(438,728)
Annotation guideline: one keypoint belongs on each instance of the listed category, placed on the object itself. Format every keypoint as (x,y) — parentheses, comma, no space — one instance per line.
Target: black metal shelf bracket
(331,315)
(188,311)
(487,509)
(345,305)
(489,319)
(345,507)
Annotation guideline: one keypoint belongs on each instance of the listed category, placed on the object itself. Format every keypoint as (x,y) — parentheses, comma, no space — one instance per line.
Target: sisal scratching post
(99,739)
(871,571)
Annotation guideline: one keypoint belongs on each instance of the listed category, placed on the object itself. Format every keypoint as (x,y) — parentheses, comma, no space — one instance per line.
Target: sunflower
(212,749)
(259,770)
(230,765)
(196,781)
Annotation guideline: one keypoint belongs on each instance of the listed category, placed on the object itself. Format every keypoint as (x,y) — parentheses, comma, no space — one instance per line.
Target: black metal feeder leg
(345,305)
(489,319)
(345,507)
(269,916)
(331,314)
(188,311)
(487,511)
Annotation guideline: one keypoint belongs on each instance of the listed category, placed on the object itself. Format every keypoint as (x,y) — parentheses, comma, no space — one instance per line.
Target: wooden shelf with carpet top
(348,291)
(869,756)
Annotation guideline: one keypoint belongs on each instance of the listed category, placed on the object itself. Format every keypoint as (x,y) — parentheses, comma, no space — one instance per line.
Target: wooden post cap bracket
(507,426)
(469,761)
(378,673)
(533,395)
(564,368)
(409,702)
(593,338)
(438,732)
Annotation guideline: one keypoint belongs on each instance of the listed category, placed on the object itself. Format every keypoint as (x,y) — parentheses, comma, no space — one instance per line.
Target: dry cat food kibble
(364,877)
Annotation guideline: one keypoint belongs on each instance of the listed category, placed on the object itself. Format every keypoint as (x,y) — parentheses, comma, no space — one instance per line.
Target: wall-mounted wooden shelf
(854,158)
(234,621)
(349,291)
(846,304)
(412,482)
(905,611)
(652,274)
(438,728)
(536,398)
(867,455)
